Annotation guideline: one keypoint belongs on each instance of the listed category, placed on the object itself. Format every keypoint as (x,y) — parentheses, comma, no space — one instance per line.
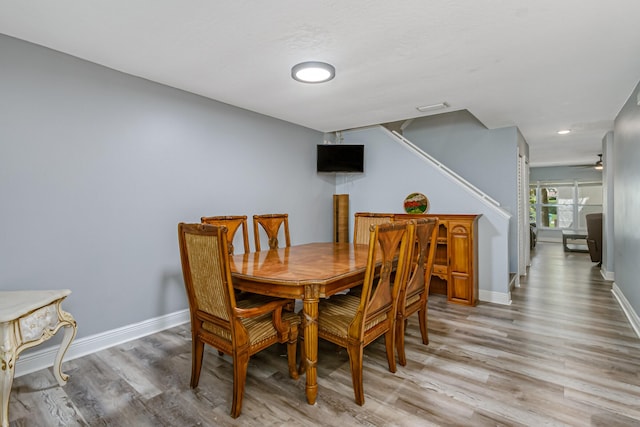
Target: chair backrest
(233,223)
(271,224)
(362,223)
(206,272)
(426,233)
(391,244)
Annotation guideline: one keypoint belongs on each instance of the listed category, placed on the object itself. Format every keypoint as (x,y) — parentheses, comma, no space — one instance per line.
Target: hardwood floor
(562,353)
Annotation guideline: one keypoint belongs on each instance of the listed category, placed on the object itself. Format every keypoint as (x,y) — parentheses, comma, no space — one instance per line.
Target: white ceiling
(540,65)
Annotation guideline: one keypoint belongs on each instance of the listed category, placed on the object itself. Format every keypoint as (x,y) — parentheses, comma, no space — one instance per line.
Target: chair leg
(389,342)
(424,330)
(302,366)
(197,351)
(292,345)
(240,366)
(401,325)
(355,360)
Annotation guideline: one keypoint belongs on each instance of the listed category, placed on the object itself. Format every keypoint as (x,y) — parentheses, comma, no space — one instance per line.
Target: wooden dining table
(307,272)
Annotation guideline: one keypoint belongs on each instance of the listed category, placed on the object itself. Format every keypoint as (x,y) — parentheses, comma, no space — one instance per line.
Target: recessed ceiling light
(313,72)
(432,107)
(564,131)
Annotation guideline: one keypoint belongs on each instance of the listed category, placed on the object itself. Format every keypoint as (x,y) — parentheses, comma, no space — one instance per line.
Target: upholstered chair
(362,223)
(413,297)
(239,329)
(353,322)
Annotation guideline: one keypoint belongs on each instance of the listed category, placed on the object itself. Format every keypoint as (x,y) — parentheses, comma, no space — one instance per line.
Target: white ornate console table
(28,318)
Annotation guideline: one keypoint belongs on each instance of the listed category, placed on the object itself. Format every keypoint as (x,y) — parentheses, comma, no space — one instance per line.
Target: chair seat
(337,313)
(413,299)
(260,329)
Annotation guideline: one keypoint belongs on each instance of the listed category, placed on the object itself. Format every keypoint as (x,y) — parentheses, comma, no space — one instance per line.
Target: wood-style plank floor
(562,353)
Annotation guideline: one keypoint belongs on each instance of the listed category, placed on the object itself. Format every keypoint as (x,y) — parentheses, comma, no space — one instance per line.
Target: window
(563,205)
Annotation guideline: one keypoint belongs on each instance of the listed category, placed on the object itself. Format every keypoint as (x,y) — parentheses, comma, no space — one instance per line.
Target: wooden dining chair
(353,322)
(363,221)
(237,328)
(414,294)
(233,223)
(271,224)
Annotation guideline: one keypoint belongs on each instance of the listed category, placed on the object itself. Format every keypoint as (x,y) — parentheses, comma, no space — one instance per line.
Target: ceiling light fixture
(313,72)
(564,131)
(432,107)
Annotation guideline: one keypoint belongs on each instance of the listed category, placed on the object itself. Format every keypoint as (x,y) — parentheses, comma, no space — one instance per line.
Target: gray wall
(392,172)
(487,158)
(608,258)
(625,168)
(98,167)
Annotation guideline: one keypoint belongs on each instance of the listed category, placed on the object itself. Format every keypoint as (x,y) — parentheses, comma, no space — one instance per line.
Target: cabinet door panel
(459,245)
(459,288)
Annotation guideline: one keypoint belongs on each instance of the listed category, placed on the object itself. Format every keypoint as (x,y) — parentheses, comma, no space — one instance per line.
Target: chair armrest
(245,313)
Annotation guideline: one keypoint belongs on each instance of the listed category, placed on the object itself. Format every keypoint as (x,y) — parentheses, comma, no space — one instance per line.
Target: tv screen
(340,158)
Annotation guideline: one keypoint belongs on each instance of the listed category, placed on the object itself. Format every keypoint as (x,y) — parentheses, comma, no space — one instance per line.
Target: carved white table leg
(28,318)
(70,330)
(7,369)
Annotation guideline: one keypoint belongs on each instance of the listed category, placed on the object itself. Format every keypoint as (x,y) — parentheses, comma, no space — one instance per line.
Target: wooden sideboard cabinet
(455,271)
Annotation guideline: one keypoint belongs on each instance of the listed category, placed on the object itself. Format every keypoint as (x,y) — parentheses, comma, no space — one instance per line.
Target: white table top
(14,304)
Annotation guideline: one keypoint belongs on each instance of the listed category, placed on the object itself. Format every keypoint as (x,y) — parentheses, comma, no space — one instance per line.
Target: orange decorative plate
(416,203)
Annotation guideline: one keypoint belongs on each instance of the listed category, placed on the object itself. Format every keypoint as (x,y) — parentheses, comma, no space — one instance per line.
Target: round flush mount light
(564,131)
(313,72)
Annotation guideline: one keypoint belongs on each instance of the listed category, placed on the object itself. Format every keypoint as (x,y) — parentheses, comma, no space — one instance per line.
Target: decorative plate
(416,203)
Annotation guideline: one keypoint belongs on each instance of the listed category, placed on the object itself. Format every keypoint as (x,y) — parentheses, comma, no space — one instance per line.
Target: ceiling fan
(597,165)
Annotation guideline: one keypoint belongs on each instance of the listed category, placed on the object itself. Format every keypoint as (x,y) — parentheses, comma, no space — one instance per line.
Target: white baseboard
(607,275)
(44,358)
(627,309)
(495,297)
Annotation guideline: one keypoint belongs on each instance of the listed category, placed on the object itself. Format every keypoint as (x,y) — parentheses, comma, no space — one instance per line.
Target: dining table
(306,272)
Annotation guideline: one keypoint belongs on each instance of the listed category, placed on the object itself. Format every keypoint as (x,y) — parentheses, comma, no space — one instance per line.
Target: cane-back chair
(233,223)
(363,221)
(271,224)
(239,329)
(353,321)
(414,295)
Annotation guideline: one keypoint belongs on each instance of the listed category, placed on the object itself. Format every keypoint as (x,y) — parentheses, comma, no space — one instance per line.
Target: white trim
(607,275)
(628,310)
(514,282)
(41,359)
(495,297)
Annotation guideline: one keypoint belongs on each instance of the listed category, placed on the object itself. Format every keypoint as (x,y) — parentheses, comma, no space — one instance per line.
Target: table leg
(7,371)
(6,379)
(310,310)
(70,330)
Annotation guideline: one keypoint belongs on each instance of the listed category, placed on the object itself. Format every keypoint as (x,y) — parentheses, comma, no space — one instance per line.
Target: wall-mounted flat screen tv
(340,158)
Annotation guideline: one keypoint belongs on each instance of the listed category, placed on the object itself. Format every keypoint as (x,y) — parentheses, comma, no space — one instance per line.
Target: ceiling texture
(541,65)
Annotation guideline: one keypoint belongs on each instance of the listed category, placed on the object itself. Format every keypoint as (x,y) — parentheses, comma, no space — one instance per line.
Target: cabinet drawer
(439,269)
